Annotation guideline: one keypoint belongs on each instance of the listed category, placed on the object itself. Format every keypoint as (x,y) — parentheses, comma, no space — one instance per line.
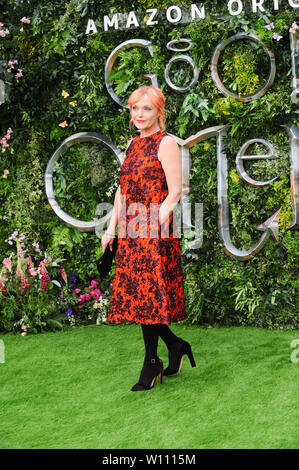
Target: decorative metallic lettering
(295,66)
(186,165)
(170,45)
(241,157)
(269,227)
(294,173)
(95,138)
(215,76)
(178,58)
(183,58)
(112,58)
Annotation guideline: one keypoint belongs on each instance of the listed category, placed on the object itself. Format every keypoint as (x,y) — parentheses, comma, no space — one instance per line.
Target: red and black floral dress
(148,283)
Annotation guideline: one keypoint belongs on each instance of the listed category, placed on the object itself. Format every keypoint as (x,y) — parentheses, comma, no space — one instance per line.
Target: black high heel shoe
(176,354)
(151,370)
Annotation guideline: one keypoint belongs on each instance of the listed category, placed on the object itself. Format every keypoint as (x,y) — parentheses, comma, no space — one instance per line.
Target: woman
(148,284)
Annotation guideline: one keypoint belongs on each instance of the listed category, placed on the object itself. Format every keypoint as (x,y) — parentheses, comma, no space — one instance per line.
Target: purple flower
(270,26)
(69,311)
(72,280)
(276,36)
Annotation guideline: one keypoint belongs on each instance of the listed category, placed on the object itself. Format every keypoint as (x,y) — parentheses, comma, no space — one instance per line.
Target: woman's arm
(170,158)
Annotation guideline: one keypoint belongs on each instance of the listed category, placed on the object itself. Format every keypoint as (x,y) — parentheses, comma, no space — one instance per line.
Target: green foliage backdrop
(60,90)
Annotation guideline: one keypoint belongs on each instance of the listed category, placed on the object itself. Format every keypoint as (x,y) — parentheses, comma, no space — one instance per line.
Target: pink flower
(20,252)
(30,267)
(63,274)
(96,294)
(87,296)
(7,264)
(25,20)
(2,289)
(24,281)
(81,299)
(94,283)
(77,291)
(19,74)
(293,28)
(12,63)
(3,33)
(4,139)
(45,280)
(36,247)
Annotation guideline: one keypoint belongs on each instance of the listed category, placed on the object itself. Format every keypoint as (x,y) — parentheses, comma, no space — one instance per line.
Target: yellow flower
(63,124)
(65,94)
(234,175)
(73,103)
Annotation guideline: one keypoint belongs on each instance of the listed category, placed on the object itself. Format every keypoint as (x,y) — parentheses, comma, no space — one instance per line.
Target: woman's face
(145,115)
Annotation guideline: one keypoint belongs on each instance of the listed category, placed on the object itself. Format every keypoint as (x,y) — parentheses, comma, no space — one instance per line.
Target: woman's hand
(107,240)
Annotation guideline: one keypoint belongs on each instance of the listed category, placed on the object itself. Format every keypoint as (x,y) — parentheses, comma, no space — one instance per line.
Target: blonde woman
(147,287)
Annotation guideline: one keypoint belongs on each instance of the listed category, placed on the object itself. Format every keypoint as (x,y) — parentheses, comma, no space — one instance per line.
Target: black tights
(151,335)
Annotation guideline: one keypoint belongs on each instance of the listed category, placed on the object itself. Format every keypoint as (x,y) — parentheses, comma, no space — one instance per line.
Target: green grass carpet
(71,390)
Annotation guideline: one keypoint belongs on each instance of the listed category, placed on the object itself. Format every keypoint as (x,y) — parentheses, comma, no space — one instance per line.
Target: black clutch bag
(104,263)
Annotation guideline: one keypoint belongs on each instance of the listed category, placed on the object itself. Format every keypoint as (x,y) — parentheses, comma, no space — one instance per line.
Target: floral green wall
(54,77)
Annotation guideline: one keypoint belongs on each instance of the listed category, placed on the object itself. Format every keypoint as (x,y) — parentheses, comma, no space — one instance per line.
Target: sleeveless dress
(147,287)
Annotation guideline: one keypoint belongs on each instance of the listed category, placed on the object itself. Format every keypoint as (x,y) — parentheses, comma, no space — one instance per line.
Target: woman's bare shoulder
(167,144)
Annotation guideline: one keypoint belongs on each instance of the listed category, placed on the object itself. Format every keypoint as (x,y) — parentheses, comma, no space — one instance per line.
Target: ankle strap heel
(152,369)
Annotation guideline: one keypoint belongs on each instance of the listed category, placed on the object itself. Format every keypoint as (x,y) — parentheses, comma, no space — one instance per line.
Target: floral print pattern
(147,286)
